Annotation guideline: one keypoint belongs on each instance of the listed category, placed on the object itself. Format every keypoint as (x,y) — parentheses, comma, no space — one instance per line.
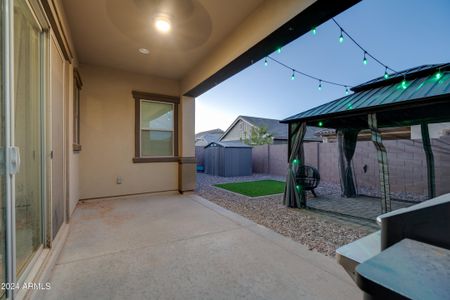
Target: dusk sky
(400,33)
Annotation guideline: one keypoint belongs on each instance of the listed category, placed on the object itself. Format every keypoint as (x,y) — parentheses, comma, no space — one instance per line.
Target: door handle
(14,160)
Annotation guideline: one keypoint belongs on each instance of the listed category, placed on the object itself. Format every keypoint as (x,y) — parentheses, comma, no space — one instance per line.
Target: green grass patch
(254,188)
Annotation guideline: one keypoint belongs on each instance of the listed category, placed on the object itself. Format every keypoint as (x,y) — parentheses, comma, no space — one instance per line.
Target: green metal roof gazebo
(417,96)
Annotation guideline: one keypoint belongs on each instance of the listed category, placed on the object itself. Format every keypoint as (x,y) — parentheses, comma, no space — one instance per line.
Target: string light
(294,72)
(403,84)
(366,53)
(265,62)
(341,37)
(386,75)
(320,124)
(314,31)
(346,90)
(320,85)
(438,74)
(279,50)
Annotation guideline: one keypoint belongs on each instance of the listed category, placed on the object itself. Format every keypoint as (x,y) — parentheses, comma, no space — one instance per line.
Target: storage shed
(228,159)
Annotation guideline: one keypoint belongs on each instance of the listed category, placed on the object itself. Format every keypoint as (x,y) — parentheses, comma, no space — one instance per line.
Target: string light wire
(308,75)
(366,53)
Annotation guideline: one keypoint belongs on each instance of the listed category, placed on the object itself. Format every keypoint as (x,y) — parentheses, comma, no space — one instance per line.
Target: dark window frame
(78,84)
(138,96)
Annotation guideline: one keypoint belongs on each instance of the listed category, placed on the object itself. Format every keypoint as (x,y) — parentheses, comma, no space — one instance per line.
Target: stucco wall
(107,135)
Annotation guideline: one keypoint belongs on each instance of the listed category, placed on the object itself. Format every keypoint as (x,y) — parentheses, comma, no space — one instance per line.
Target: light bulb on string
(265,62)
(346,90)
(403,84)
(293,74)
(341,37)
(386,75)
(320,85)
(365,59)
(279,50)
(438,74)
(314,30)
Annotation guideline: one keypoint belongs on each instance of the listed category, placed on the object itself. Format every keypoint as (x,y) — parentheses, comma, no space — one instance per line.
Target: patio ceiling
(110,32)
(210,40)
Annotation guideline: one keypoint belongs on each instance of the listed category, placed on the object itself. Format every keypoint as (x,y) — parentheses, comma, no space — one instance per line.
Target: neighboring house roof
(211,137)
(212,131)
(229,144)
(422,86)
(279,131)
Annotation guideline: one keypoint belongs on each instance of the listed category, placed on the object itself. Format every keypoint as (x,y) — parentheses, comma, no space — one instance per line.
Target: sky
(400,33)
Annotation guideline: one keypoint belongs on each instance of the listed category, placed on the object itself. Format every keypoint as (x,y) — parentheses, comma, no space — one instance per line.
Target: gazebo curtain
(347,139)
(294,194)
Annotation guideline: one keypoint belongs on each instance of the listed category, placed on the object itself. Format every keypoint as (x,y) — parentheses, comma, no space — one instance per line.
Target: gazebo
(417,96)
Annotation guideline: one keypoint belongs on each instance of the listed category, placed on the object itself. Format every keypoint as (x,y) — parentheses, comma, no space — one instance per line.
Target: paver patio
(185,247)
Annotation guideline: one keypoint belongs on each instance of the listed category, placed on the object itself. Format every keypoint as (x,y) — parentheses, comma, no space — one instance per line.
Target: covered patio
(184,247)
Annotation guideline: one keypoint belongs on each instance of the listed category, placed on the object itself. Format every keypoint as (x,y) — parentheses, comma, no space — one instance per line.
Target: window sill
(76,147)
(137,160)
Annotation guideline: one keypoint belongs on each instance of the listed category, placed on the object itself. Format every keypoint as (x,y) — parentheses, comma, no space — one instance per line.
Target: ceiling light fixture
(144,51)
(162,24)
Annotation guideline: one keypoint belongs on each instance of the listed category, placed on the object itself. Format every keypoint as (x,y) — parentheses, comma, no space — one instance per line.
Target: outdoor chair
(308,177)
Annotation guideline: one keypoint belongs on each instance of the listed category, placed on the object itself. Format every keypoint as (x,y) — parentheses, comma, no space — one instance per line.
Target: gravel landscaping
(320,232)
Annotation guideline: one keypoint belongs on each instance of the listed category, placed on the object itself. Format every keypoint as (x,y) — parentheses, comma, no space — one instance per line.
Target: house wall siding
(107,135)
(241,130)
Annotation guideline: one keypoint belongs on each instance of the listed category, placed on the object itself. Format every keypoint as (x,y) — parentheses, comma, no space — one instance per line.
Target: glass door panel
(27,133)
(2,158)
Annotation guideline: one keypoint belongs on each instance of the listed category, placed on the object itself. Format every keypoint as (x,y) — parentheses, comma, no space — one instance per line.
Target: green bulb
(293,76)
(438,75)
(265,62)
(320,124)
(404,86)
(297,187)
(341,39)
(295,161)
(314,31)
(386,75)
(365,61)
(279,50)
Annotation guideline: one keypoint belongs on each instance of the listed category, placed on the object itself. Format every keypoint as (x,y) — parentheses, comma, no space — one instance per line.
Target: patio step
(357,252)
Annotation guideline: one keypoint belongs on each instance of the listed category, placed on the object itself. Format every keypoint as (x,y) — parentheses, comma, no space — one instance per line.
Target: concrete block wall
(406,159)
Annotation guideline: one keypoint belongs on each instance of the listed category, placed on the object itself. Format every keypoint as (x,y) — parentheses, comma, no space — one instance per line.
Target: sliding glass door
(3,145)
(27,131)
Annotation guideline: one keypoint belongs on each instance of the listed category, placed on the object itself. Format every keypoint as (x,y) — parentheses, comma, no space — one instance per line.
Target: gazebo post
(382,162)
(430,160)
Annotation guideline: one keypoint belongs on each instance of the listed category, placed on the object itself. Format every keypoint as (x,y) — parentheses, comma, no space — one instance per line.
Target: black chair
(308,177)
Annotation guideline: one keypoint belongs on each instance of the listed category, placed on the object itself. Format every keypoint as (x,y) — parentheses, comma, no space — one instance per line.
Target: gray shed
(228,159)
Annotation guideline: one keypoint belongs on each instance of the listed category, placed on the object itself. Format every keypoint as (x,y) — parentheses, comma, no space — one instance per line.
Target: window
(156,134)
(76,110)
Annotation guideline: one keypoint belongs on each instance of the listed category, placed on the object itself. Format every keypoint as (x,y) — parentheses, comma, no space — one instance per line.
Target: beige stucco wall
(107,135)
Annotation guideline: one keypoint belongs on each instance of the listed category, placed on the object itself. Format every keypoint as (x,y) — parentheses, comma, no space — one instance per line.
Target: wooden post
(430,160)
(382,162)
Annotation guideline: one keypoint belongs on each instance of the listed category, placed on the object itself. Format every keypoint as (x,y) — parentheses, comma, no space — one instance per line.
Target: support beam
(430,160)
(186,164)
(382,163)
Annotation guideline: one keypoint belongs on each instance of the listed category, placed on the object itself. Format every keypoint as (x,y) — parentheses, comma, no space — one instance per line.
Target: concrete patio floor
(185,247)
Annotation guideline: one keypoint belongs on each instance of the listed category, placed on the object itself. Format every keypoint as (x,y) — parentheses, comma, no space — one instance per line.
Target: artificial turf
(254,188)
